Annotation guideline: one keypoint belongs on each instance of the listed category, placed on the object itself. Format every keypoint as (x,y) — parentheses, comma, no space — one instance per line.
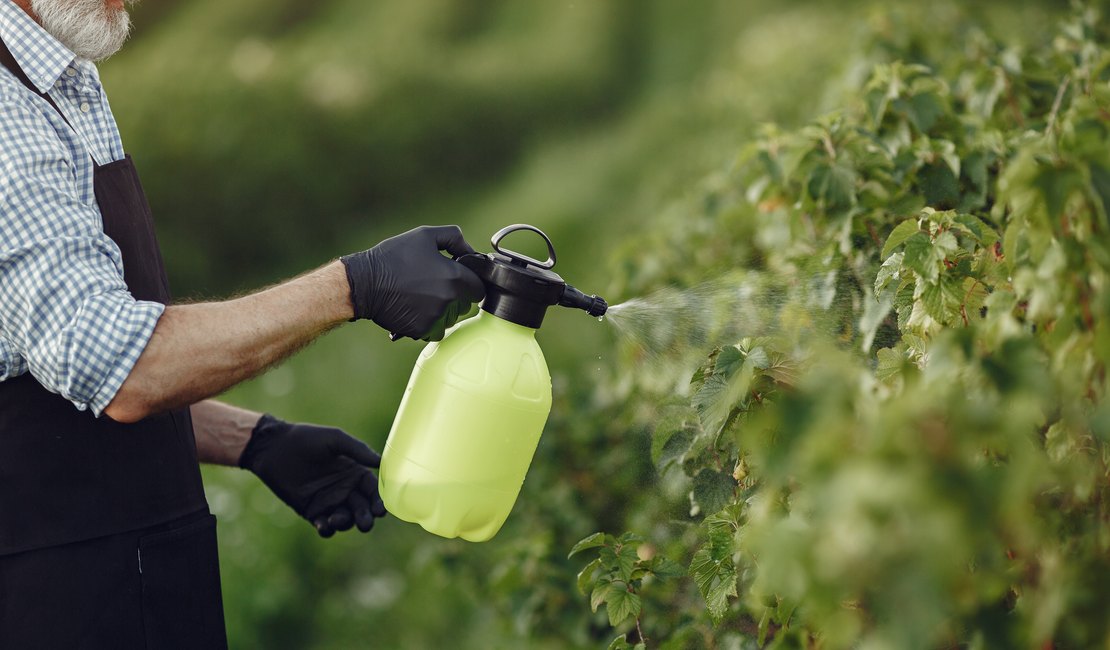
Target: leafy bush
(913,450)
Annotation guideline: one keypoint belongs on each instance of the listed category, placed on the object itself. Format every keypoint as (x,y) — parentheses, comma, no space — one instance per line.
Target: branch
(874,235)
(828,145)
(1011,101)
(1050,125)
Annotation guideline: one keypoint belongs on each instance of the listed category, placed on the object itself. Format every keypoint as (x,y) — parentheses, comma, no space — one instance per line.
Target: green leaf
(631,538)
(924,109)
(585,576)
(716,580)
(942,300)
(900,234)
(890,270)
(903,305)
(728,361)
(974,171)
(713,490)
(947,152)
(918,255)
(621,559)
(593,541)
(876,100)
(974,295)
(833,185)
(674,419)
(939,185)
(1100,183)
(722,526)
(1056,185)
(676,447)
(711,566)
(1012,244)
(772,167)
(599,594)
(1100,422)
(984,234)
(665,567)
(759,358)
(764,625)
(891,362)
(620,643)
(622,603)
(944,244)
(723,389)
(784,611)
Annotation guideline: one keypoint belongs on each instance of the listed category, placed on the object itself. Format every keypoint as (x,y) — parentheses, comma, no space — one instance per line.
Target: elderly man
(105,536)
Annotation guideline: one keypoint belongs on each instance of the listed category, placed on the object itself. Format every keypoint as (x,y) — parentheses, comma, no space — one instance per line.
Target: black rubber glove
(320,472)
(405,284)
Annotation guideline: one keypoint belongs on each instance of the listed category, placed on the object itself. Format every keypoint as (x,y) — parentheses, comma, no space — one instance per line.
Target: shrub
(911,448)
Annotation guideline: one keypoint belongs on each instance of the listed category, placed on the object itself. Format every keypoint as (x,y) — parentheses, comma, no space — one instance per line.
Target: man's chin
(102,50)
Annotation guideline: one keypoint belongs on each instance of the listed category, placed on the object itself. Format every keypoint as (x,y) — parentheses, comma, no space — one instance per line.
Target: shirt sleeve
(64,307)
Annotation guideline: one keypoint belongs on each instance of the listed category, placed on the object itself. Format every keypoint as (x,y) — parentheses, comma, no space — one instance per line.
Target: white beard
(89,28)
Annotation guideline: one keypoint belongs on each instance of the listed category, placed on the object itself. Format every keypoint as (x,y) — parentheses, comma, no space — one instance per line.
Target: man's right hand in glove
(405,284)
(408,287)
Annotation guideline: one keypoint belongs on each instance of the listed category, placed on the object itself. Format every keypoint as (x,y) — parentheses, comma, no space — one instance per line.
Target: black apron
(105,536)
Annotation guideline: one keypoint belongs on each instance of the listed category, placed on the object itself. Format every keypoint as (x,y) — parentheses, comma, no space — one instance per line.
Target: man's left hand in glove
(320,472)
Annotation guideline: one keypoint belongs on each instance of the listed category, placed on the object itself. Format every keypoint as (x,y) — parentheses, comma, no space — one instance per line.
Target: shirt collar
(41,56)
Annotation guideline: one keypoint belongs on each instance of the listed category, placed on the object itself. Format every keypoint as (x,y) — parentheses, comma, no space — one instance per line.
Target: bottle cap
(519,289)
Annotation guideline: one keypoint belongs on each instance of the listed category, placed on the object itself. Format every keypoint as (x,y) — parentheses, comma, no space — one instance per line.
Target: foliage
(400,587)
(615,577)
(584,119)
(917,454)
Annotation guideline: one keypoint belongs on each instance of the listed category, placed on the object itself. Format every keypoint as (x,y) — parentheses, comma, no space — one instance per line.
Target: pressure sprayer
(477,401)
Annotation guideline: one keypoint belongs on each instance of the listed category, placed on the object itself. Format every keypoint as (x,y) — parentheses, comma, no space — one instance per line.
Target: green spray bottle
(477,401)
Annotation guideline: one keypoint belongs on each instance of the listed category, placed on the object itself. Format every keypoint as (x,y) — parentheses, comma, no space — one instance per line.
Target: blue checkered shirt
(65,313)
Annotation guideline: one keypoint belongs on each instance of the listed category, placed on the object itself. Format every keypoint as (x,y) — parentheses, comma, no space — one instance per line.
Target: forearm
(200,350)
(222,431)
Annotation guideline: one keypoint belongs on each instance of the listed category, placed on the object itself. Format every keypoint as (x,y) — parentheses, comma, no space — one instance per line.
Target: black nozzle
(592,305)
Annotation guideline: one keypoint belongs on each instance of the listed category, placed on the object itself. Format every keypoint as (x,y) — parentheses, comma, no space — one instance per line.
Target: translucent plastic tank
(467,429)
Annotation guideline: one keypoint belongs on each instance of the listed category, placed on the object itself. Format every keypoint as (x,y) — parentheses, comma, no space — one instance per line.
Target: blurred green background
(274,135)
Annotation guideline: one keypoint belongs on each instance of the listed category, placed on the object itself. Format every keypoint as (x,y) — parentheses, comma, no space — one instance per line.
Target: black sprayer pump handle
(519,289)
(516,257)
